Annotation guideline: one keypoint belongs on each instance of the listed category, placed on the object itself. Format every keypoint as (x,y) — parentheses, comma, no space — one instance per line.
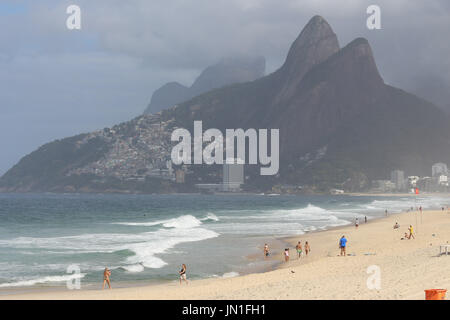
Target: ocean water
(148,237)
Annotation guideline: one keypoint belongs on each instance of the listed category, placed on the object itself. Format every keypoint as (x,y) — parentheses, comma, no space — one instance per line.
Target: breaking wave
(48,279)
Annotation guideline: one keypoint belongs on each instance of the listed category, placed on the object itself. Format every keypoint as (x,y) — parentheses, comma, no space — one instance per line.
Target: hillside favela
(229,150)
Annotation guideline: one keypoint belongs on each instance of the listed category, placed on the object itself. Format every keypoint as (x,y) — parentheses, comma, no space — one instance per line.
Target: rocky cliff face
(340,125)
(227,71)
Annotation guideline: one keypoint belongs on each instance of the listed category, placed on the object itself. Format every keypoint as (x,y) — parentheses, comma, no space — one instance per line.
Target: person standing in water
(343,245)
(286,254)
(182,273)
(307,248)
(106,275)
(266,250)
(298,247)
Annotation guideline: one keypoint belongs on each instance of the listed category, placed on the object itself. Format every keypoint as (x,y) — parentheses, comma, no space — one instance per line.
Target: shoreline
(256,193)
(363,247)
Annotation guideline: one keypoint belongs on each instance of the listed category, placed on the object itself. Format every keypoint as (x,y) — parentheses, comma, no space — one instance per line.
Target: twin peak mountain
(340,124)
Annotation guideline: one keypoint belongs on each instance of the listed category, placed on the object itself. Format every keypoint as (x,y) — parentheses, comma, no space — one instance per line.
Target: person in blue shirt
(342,245)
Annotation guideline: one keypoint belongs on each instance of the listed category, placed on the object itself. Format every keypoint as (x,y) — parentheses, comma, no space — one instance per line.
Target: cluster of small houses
(144,153)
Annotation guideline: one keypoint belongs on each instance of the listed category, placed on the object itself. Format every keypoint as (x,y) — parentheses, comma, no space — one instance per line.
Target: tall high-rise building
(398,178)
(439,169)
(233,176)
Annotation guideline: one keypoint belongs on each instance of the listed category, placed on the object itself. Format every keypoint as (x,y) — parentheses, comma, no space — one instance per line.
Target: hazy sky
(56,82)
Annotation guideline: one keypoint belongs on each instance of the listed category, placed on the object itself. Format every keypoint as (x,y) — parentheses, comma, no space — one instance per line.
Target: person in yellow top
(411,232)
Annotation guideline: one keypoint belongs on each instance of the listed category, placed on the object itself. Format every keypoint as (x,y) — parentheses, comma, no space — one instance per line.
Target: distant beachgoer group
(299,248)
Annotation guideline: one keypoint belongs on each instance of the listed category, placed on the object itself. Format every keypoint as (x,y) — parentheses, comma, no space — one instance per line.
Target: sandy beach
(406,268)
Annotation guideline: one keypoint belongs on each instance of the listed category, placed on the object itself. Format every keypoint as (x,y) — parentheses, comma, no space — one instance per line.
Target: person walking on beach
(307,248)
(266,250)
(356,223)
(411,232)
(286,254)
(342,245)
(182,273)
(106,275)
(385,212)
(299,249)
(365,219)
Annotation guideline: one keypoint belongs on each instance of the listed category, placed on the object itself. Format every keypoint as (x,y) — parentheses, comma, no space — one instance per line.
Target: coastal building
(233,175)
(383,186)
(398,178)
(412,181)
(426,184)
(336,191)
(443,180)
(438,169)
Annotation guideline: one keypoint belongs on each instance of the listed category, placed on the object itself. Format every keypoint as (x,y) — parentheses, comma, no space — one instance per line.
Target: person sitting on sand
(404,237)
(182,273)
(106,275)
(307,248)
(396,225)
(411,232)
(342,245)
(286,254)
(266,250)
(299,249)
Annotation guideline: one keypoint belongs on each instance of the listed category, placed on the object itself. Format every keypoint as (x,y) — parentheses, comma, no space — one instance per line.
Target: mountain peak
(229,70)
(315,44)
(352,68)
(359,53)
(361,45)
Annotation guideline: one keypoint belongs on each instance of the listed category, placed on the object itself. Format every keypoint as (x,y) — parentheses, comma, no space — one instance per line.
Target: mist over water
(148,237)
